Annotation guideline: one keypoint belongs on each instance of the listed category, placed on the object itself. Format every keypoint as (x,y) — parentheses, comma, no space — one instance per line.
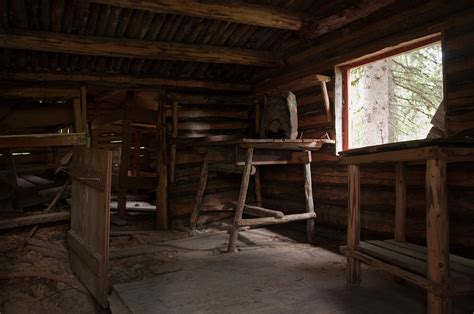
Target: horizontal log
(34,219)
(274,157)
(42,140)
(116,80)
(39,92)
(190,99)
(230,168)
(129,48)
(27,117)
(260,211)
(295,85)
(273,221)
(234,11)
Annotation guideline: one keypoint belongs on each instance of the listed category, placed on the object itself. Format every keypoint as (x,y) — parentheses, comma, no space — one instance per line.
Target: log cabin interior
(236,156)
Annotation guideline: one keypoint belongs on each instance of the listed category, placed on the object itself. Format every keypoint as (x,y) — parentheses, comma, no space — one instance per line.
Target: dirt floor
(35,275)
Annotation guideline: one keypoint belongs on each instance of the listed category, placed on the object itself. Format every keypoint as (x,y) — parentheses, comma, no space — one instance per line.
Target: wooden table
(249,155)
(431,268)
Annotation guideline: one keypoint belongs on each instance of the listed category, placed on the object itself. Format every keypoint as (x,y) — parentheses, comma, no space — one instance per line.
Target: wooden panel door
(88,238)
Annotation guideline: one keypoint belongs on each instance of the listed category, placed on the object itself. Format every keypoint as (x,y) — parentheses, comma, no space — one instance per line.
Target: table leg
(437,233)
(353,224)
(309,203)
(200,192)
(400,202)
(239,210)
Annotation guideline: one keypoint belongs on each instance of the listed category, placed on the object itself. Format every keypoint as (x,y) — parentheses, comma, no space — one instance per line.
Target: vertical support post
(437,234)
(162,171)
(309,203)
(201,189)
(239,210)
(400,202)
(78,126)
(174,135)
(84,114)
(353,224)
(124,163)
(136,153)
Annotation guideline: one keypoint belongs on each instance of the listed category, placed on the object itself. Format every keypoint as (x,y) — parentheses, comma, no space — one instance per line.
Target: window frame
(343,70)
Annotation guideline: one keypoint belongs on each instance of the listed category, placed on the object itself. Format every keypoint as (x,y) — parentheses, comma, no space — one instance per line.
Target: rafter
(121,81)
(128,48)
(233,11)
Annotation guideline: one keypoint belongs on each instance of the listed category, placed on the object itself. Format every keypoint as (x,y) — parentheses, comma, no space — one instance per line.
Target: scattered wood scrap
(34,219)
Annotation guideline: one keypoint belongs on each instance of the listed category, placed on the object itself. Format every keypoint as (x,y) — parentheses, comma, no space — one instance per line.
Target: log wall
(201,119)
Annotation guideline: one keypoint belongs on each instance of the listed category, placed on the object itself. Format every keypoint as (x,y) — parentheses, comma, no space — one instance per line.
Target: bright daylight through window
(395,99)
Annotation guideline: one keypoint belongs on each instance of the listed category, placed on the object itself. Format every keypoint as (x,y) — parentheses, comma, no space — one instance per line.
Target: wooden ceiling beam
(129,48)
(129,81)
(358,11)
(232,11)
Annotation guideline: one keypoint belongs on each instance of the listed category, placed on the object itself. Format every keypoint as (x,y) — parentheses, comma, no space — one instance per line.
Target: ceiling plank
(128,48)
(121,80)
(232,11)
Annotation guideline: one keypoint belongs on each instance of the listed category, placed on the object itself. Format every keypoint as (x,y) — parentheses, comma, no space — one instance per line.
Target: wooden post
(124,163)
(437,234)
(309,203)
(239,210)
(11,167)
(353,225)
(400,202)
(162,171)
(78,126)
(201,189)
(174,136)
(258,189)
(84,114)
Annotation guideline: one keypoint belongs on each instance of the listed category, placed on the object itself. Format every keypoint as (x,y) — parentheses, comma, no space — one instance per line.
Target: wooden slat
(129,48)
(92,259)
(272,220)
(234,11)
(391,269)
(122,80)
(42,140)
(457,263)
